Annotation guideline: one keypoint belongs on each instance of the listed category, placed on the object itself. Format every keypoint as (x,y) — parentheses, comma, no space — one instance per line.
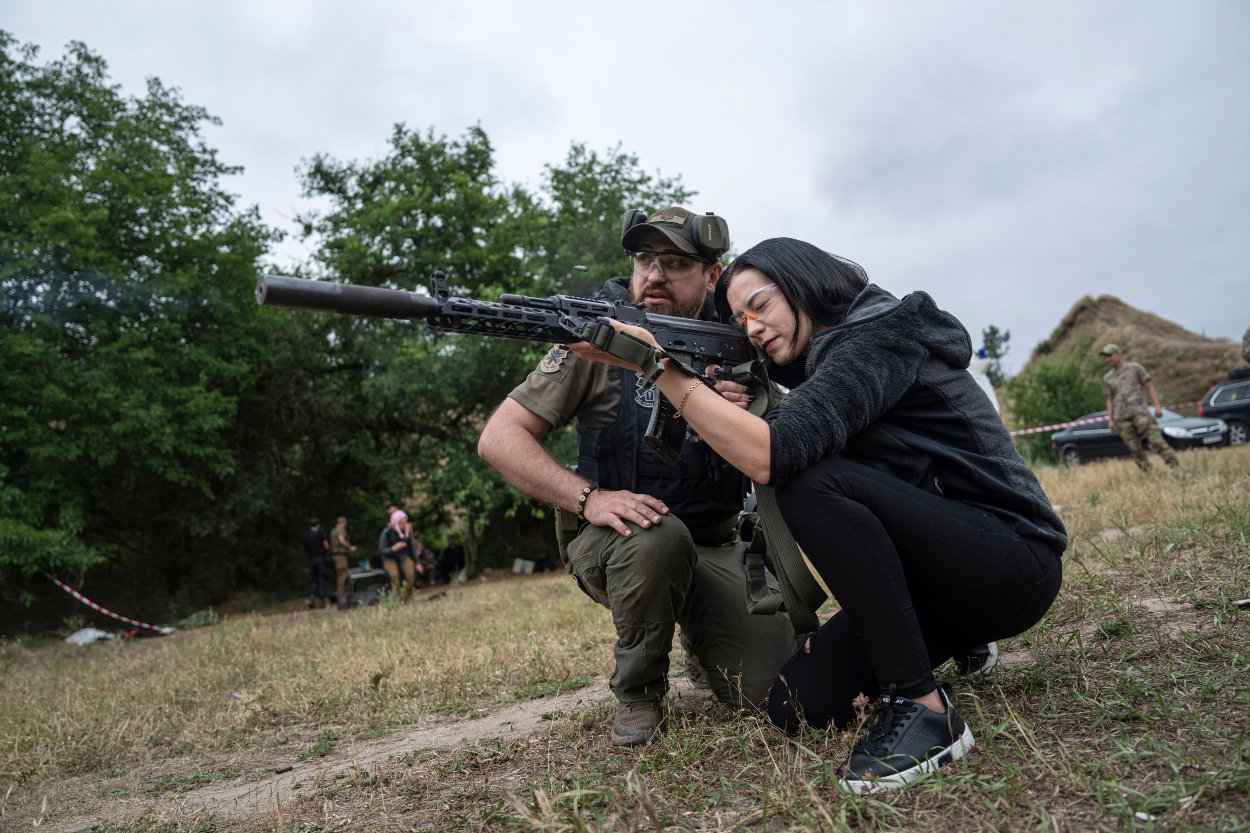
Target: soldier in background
(1126,385)
(340,548)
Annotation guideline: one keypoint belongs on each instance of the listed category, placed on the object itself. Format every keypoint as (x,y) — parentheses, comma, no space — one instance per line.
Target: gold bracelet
(581,500)
(696,383)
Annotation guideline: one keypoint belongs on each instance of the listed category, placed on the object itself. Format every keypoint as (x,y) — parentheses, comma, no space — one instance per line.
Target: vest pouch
(567,527)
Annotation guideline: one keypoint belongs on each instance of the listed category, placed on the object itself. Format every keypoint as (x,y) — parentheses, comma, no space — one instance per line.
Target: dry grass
(1125,709)
(255,689)
(1115,495)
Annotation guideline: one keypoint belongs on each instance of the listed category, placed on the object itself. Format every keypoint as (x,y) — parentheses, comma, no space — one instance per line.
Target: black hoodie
(889,387)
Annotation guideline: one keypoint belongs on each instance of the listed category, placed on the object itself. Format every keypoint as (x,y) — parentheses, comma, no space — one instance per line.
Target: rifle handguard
(634,350)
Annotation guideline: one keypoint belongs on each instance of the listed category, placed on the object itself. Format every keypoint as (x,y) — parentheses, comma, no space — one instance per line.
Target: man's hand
(1158,411)
(615,509)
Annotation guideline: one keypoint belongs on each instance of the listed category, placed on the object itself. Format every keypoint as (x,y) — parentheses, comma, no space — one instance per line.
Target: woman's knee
(809,493)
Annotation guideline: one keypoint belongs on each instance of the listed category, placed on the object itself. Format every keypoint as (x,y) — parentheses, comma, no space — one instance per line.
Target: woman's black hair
(820,284)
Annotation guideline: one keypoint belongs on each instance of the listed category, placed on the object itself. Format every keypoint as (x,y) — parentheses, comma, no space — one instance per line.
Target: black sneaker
(903,741)
(976,660)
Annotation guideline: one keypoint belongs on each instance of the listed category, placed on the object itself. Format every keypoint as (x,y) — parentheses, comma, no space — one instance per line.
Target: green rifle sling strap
(624,346)
(772,550)
(797,592)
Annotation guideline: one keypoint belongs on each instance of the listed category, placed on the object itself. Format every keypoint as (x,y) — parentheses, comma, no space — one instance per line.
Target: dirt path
(307,777)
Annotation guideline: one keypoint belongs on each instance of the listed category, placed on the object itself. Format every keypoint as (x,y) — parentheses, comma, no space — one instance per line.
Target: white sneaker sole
(990,661)
(901,779)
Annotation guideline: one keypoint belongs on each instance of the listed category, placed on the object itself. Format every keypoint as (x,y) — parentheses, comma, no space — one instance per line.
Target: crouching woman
(899,482)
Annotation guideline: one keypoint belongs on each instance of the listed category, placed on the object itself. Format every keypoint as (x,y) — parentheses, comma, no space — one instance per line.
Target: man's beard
(669,307)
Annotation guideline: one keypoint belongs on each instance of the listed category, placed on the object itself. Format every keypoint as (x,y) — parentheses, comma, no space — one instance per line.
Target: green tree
(586,198)
(1050,392)
(430,204)
(126,331)
(434,204)
(996,344)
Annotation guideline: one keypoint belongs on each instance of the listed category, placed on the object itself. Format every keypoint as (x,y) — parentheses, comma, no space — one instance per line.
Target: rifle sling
(624,346)
(773,552)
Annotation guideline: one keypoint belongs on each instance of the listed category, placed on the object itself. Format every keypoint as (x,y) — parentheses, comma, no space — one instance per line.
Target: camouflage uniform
(1133,418)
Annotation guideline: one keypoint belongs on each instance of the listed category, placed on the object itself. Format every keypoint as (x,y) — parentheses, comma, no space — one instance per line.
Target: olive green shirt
(565,387)
(337,547)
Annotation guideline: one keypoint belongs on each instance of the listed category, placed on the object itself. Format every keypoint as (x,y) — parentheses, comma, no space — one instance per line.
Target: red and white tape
(1059,426)
(163,630)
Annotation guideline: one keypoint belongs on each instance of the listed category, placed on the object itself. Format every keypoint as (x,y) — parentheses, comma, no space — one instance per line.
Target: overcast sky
(1008,158)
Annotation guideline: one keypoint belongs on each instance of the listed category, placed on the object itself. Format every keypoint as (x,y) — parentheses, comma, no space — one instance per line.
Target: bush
(1050,392)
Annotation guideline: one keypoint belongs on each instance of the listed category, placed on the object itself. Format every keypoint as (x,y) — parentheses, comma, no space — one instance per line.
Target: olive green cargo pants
(658,578)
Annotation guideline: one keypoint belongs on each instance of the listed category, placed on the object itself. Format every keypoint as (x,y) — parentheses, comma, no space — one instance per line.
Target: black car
(1229,401)
(1091,438)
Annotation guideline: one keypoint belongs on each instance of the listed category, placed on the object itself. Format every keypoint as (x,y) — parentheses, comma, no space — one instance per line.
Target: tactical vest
(700,489)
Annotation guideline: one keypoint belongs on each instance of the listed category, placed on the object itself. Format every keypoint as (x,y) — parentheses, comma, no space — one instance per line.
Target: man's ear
(713,275)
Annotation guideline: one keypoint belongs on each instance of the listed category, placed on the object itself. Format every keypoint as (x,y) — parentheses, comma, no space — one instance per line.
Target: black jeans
(917,576)
(319,573)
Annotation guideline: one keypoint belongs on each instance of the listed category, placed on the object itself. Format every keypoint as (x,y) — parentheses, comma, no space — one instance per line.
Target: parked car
(1091,438)
(1229,401)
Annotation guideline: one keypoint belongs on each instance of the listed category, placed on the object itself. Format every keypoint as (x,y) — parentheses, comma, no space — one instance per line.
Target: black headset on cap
(711,233)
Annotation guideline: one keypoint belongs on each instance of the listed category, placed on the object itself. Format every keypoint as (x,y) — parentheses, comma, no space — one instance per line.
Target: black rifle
(560,319)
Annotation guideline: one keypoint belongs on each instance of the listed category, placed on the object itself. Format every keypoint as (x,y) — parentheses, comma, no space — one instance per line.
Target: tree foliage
(434,204)
(126,275)
(997,346)
(587,197)
(162,438)
(1050,392)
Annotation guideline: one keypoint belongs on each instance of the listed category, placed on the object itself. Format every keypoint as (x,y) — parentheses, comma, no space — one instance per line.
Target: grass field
(1127,708)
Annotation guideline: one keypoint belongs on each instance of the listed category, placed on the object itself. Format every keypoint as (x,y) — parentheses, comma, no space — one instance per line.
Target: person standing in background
(1126,386)
(396,549)
(340,549)
(317,548)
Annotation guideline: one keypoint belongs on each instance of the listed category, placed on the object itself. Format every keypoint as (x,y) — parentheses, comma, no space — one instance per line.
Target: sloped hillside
(1184,364)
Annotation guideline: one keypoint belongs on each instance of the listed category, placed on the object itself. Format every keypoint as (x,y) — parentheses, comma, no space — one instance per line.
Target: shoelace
(884,724)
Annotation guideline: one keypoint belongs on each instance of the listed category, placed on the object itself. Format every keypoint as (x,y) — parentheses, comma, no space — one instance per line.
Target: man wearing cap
(1126,385)
(654,540)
